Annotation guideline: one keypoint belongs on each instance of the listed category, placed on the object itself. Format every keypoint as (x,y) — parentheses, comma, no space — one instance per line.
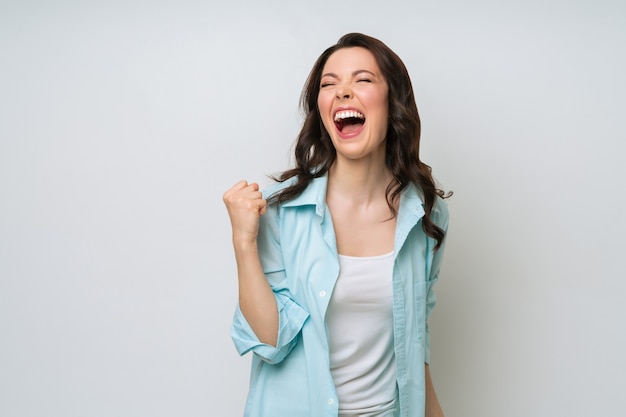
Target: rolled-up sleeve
(291,316)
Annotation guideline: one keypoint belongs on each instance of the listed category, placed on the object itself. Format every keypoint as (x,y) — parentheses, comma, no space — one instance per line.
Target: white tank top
(360,330)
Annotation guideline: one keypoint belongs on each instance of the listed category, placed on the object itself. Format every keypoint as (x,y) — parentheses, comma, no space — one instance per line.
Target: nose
(343,92)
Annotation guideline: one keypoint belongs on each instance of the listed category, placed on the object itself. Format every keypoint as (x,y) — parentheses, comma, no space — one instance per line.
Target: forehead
(350,60)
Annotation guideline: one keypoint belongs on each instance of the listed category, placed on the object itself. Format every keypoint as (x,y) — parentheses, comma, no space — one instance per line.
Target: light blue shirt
(298,253)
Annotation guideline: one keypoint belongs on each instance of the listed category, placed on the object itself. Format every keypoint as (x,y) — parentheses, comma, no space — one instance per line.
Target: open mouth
(349,121)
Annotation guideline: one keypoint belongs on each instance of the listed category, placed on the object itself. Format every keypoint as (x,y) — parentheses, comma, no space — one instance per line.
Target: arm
(245,205)
(433,408)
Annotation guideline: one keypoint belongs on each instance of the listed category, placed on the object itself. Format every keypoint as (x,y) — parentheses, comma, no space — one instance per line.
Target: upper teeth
(348,113)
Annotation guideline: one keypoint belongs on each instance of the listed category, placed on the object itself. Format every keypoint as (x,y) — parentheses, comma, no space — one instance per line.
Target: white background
(122,123)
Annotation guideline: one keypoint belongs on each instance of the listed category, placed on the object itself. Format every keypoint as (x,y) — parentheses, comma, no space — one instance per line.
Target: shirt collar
(411,201)
(313,195)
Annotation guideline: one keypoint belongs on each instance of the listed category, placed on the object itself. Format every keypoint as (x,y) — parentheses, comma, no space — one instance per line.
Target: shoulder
(414,196)
(277,187)
(272,210)
(440,214)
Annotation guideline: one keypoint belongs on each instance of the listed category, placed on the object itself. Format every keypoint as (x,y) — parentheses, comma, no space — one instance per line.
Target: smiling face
(353,105)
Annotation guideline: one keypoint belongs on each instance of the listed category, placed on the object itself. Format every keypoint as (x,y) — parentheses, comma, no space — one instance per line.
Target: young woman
(337,260)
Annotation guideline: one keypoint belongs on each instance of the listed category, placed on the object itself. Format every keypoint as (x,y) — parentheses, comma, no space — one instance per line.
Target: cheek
(328,126)
(324,106)
(323,103)
(381,99)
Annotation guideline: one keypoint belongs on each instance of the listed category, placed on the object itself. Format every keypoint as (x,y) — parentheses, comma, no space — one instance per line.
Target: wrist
(244,243)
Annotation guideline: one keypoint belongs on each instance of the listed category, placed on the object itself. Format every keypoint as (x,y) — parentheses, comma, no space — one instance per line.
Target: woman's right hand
(245,204)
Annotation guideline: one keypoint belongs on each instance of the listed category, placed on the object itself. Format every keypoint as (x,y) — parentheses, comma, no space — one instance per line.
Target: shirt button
(322,293)
(331,402)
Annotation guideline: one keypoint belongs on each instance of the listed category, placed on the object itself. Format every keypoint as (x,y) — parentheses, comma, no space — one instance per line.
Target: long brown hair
(315,153)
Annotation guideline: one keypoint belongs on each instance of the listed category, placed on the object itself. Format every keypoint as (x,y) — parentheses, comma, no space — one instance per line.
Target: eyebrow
(354,74)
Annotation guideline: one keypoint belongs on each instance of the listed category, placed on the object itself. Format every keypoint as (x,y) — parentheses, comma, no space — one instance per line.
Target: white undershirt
(360,330)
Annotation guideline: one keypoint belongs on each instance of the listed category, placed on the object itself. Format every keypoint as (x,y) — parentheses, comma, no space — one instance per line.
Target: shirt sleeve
(440,217)
(291,316)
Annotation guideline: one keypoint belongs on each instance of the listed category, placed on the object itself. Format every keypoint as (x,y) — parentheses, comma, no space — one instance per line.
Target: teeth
(348,113)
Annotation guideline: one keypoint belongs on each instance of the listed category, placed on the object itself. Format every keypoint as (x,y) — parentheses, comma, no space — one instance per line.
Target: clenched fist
(245,204)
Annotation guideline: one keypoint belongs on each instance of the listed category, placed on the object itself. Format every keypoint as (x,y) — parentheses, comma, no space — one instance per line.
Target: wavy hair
(315,153)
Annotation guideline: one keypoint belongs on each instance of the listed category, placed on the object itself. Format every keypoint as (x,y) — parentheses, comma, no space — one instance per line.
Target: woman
(337,260)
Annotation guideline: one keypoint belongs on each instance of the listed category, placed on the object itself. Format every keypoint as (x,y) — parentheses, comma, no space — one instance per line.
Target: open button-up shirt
(298,254)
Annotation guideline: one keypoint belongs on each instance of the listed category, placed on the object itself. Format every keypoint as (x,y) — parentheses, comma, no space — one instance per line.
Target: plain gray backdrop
(122,123)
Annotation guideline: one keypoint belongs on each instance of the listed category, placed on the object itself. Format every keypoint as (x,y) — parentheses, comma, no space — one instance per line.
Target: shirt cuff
(291,318)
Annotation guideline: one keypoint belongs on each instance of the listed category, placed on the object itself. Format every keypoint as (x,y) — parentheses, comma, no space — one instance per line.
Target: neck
(359,181)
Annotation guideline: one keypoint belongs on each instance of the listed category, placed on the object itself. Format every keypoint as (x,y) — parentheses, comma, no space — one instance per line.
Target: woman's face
(353,105)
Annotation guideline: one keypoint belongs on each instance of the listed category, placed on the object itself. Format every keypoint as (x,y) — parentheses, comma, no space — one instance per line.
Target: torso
(359,321)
